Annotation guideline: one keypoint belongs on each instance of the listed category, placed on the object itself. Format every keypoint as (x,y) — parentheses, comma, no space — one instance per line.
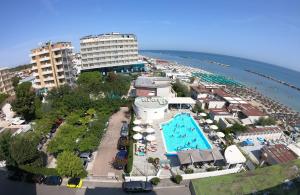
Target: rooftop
(150,102)
(233,155)
(278,153)
(112,34)
(250,110)
(219,111)
(152,82)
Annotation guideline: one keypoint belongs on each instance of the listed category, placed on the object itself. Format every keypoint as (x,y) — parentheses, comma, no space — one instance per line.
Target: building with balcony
(52,65)
(6,82)
(110,52)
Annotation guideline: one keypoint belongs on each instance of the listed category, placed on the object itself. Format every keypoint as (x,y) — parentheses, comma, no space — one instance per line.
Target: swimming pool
(183,133)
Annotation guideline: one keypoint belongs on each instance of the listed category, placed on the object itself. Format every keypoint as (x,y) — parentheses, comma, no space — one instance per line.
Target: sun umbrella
(213,127)
(220,134)
(150,138)
(203,114)
(150,130)
(137,136)
(137,122)
(208,121)
(137,128)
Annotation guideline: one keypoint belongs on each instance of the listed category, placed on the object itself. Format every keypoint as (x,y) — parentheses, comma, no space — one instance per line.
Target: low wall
(190,176)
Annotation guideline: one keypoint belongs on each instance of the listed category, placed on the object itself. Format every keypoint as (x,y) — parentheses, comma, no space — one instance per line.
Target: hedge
(39,170)
(129,165)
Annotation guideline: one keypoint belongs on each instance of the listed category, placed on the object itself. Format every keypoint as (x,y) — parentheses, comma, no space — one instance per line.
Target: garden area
(277,179)
(79,114)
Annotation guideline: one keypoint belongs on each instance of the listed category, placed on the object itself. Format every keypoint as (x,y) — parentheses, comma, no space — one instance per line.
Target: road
(16,188)
(102,165)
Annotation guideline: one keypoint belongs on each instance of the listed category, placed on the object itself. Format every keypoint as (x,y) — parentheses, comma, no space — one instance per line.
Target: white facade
(5,81)
(108,50)
(150,108)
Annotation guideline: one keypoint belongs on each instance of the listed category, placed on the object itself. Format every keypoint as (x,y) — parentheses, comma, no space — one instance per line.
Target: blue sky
(264,30)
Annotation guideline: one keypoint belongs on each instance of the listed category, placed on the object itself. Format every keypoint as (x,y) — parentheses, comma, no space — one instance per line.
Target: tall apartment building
(110,52)
(52,65)
(5,81)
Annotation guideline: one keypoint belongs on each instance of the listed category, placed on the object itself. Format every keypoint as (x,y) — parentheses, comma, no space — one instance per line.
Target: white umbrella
(137,122)
(220,134)
(150,138)
(208,121)
(213,127)
(203,114)
(150,130)
(137,136)
(137,129)
(149,121)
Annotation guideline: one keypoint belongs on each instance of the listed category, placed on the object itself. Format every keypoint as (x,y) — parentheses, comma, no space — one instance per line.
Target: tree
(262,121)
(24,104)
(15,81)
(3,97)
(5,140)
(181,89)
(69,165)
(90,81)
(23,149)
(112,77)
(236,127)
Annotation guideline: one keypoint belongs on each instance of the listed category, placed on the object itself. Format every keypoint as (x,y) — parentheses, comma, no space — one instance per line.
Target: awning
(181,100)
(233,155)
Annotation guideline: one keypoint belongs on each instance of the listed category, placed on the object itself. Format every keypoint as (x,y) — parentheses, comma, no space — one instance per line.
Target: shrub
(188,171)
(155,181)
(129,165)
(211,169)
(177,179)
(39,170)
(150,160)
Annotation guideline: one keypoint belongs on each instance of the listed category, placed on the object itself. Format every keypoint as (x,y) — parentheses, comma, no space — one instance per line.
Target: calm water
(182,133)
(236,71)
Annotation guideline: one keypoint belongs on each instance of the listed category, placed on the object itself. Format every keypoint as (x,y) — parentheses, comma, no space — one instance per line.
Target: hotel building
(5,82)
(110,52)
(52,65)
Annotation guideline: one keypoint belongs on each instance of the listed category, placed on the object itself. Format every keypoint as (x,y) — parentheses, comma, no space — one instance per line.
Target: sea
(236,71)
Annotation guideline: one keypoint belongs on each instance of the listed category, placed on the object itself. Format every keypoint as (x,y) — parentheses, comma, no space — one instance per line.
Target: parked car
(122,143)
(74,183)
(53,180)
(124,129)
(137,186)
(120,160)
(87,156)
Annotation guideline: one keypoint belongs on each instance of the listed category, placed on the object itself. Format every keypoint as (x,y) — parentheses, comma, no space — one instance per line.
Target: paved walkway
(102,165)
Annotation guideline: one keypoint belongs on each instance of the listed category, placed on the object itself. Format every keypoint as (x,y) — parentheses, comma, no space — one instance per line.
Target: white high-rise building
(110,52)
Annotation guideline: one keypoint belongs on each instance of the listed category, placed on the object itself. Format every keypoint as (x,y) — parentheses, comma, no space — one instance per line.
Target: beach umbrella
(137,122)
(150,130)
(203,114)
(137,129)
(213,127)
(208,121)
(137,136)
(150,138)
(220,134)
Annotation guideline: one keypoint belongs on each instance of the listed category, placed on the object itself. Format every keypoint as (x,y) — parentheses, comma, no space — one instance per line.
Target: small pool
(183,133)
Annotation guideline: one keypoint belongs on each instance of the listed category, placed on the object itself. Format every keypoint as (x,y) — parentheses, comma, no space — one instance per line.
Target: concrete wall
(150,114)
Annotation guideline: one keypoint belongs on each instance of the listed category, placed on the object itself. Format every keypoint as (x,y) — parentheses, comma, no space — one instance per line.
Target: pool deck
(140,165)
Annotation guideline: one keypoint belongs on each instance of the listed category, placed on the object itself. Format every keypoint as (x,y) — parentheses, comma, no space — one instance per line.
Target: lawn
(260,180)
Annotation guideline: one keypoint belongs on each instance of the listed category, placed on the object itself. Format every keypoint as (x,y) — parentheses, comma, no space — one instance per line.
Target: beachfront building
(52,65)
(219,113)
(266,133)
(110,52)
(150,108)
(5,81)
(153,86)
(276,154)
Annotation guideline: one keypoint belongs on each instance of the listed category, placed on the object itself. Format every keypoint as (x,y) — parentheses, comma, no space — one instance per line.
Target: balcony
(32,61)
(44,59)
(48,79)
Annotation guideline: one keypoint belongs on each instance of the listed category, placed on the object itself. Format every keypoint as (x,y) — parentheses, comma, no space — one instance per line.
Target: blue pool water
(182,133)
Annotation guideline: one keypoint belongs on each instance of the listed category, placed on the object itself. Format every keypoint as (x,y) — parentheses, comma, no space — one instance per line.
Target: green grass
(260,180)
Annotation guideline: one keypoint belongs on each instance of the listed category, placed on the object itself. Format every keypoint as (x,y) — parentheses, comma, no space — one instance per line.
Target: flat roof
(152,82)
(150,102)
(250,110)
(233,155)
(181,100)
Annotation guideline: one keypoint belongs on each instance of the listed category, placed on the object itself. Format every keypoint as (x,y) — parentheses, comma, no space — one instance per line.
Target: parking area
(107,150)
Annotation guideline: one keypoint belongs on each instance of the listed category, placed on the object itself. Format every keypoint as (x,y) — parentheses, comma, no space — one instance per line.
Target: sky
(263,30)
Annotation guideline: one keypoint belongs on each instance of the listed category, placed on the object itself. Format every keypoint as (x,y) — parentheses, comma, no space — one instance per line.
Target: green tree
(5,140)
(15,81)
(236,127)
(24,104)
(90,81)
(23,149)
(263,121)
(3,97)
(181,89)
(69,165)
